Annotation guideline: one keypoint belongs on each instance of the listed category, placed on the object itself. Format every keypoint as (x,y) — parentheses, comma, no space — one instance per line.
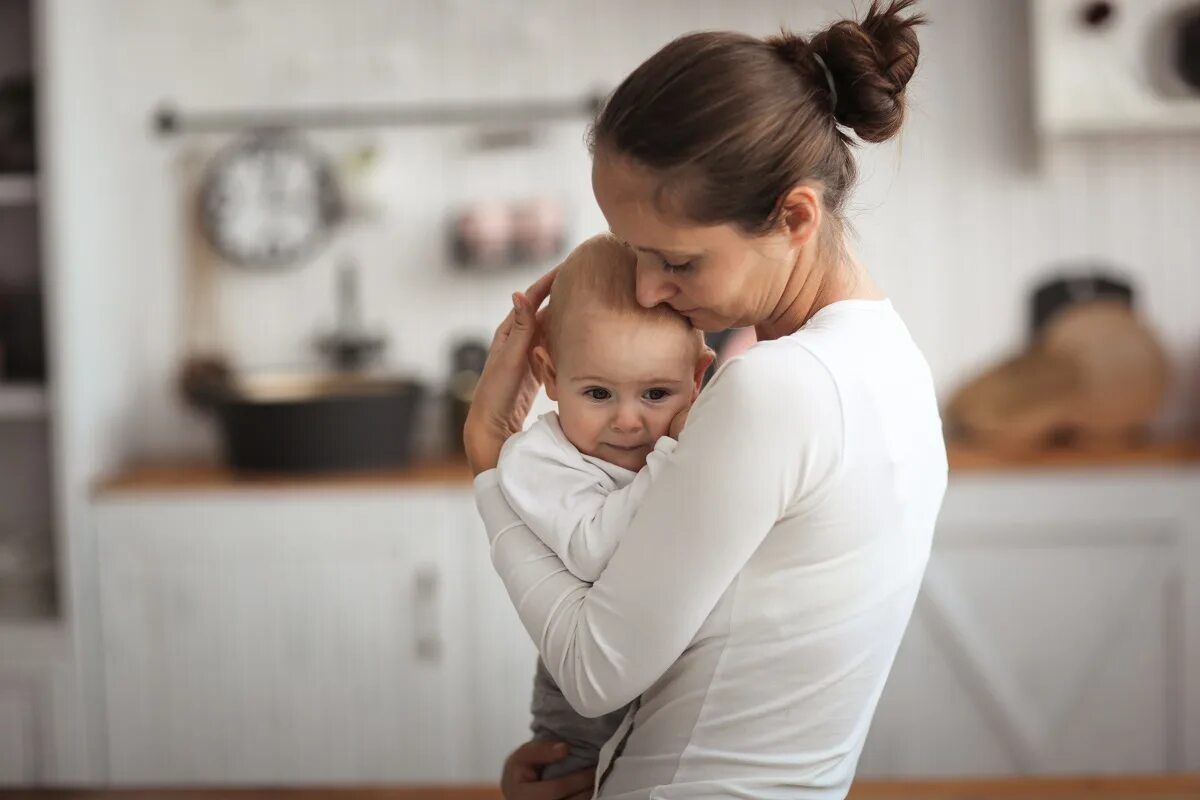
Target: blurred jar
(482,235)
(537,230)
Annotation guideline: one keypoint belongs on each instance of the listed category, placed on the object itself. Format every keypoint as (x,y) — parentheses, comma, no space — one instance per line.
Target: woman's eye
(676,268)
(596,393)
(656,394)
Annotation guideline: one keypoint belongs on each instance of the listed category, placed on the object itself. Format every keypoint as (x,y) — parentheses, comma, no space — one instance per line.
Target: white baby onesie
(578,505)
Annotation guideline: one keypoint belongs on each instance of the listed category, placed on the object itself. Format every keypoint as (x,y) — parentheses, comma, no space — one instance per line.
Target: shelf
(18,190)
(22,401)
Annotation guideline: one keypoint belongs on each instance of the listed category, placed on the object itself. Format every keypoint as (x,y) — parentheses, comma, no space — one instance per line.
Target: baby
(620,374)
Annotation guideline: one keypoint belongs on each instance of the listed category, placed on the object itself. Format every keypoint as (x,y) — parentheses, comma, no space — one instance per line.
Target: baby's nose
(627,419)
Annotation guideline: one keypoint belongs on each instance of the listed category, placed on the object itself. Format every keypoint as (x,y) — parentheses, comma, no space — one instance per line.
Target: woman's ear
(543,367)
(707,356)
(800,213)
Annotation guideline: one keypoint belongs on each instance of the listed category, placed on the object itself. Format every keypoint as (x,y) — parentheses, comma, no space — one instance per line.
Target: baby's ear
(707,356)
(543,368)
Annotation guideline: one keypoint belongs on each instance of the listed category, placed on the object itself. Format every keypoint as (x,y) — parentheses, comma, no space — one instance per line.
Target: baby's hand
(678,422)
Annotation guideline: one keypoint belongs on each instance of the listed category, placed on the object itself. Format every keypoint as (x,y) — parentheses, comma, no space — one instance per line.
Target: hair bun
(871,63)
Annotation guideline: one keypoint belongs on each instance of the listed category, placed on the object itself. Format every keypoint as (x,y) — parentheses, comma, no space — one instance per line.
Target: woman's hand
(521,769)
(677,423)
(508,383)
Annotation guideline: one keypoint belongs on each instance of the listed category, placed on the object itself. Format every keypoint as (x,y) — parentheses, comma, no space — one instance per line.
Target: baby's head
(619,372)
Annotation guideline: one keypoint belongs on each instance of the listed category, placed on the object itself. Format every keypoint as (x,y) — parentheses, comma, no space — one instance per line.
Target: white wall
(957,219)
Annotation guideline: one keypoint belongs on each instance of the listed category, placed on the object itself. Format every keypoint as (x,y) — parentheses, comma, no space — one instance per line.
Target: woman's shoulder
(787,365)
(778,379)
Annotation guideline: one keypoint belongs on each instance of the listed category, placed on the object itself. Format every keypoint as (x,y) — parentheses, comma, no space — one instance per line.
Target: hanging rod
(170,121)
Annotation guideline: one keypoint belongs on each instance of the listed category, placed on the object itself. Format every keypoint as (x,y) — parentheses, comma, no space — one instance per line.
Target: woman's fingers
(524,313)
(521,768)
(503,328)
(569,787)
(540,290)
(519,781)
(538,753)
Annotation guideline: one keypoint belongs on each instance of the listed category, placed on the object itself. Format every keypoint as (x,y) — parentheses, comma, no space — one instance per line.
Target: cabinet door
(503,663)
(18,731)
(1050,635)
(282,638)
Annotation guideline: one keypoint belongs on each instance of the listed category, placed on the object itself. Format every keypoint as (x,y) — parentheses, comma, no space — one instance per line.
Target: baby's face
(619,381)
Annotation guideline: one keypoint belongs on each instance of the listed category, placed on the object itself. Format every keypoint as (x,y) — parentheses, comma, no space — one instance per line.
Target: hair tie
(828,81)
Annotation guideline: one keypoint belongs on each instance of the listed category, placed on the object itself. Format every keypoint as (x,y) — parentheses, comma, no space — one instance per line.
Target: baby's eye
(656,394)
(597,393)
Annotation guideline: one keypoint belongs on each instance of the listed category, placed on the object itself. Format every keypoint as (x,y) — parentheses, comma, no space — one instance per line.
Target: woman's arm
(508,384)
(761,429)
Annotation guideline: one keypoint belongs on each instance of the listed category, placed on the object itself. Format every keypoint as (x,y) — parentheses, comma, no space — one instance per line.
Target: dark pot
(319,425)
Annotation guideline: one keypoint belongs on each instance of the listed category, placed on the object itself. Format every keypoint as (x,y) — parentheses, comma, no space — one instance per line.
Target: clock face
(268,200)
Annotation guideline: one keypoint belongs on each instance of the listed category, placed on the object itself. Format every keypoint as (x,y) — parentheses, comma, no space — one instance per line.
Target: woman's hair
(731,123)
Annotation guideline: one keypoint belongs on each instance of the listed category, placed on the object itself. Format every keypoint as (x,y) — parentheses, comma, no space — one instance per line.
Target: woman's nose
(653,287)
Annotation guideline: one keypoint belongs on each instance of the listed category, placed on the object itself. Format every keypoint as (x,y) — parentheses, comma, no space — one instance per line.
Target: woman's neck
(814,283)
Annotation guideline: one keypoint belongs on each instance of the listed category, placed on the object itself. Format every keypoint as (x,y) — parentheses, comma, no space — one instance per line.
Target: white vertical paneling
(1054,634)
(278,638)
(19,731)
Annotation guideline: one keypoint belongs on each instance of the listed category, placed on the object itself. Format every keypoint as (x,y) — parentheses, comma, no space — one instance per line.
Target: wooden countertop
(209,477)
(1164,454)
(454,472)
(1174,787)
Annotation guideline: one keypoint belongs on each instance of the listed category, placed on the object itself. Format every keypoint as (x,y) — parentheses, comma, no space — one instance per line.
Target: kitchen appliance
(1108,66)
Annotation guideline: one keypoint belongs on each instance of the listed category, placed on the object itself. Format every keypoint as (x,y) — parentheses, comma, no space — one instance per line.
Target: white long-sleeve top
(578,505)
(759,595)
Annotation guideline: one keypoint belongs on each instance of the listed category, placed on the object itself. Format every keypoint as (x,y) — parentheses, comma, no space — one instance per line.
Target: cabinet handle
(427,639)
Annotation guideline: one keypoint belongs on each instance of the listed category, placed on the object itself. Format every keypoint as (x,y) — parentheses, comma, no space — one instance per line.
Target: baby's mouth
(629,449)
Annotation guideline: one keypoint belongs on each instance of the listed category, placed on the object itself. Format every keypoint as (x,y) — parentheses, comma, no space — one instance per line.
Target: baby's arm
(576,509)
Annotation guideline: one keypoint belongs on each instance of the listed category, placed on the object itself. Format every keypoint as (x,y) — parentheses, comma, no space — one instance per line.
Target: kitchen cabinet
(504,661)
(19,714)
(1058,630)
(285,637)
(343,634)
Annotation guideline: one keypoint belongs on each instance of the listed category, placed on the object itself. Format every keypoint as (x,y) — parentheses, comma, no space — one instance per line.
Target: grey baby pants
(553,718)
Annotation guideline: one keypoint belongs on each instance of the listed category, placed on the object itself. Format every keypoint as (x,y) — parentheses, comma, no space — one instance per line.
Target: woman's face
(715,275)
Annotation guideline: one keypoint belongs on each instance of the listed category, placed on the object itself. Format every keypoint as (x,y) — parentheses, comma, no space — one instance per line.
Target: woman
(757,600)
